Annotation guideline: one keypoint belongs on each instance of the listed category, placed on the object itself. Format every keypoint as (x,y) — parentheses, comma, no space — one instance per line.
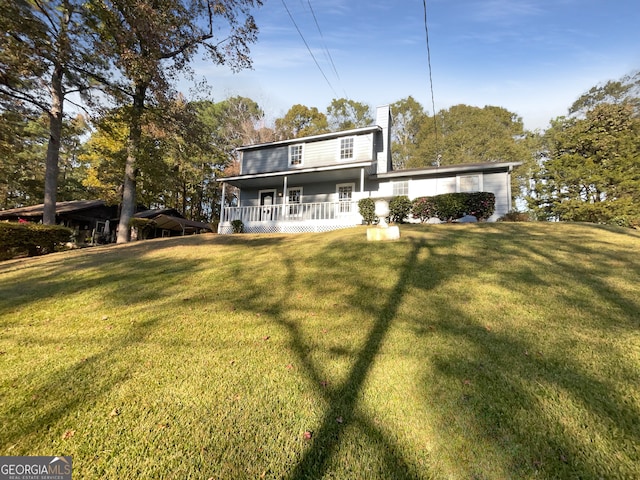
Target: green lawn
(461,351)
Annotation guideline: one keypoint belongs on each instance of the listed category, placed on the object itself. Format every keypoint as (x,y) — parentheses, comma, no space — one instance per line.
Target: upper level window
(346,148)
(295,154)
(469,183)
(401,188)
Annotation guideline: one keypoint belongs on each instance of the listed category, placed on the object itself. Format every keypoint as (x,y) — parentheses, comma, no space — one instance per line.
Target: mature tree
(408,117)
(229,124)
(301,121)
(592,172)
(184,146)
(624,90)
(23,146)
(467,134)
(43,46)
(345,114)
(149,41)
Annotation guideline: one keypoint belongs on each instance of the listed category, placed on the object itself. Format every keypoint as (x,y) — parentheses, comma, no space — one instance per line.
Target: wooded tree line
(135,140)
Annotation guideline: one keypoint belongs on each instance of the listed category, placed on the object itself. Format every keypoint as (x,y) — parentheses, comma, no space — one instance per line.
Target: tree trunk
(130,169)
(53,148)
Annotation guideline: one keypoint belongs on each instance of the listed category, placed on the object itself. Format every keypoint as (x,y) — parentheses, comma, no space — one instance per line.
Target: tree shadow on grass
(505,373)
(500,374)
(125,272)
(60,392)
(342,398)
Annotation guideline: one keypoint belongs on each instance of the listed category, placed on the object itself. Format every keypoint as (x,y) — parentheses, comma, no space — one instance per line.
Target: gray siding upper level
(318,153)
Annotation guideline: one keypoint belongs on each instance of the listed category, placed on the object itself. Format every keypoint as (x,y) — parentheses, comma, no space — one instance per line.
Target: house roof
(331,171)
(171,219)
(175,223)
(61,207)
(314,138)
(448,169)
(337,172)
(154,212)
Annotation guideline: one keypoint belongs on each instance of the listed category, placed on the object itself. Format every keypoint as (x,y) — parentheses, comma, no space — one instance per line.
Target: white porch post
(222,215)
(509,205)
(362,180)
(284,194)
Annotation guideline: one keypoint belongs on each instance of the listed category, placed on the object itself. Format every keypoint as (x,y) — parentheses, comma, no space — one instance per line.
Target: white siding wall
(498,183)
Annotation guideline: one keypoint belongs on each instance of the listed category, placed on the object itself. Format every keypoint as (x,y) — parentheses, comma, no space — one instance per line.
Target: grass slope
(460,351)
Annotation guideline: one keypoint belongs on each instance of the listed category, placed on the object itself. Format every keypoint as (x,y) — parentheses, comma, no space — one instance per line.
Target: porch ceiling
(299,178)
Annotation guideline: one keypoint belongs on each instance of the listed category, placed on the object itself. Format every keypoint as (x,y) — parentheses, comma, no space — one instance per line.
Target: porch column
(224,190)
(362,180)
(509,205)
(284,195)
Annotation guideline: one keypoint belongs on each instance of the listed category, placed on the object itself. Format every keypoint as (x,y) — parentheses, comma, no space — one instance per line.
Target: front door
(267,203)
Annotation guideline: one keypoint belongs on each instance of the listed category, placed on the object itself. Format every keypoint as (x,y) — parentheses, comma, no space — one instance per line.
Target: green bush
(399,209)
(20,239)
(237,226)
(625,221)
(423,208)
(515,216)
(480,204)
(367,209)
(450,206)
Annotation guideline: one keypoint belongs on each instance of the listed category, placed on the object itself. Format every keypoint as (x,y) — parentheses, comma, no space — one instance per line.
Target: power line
(324,44)
(433,102)
(308,48)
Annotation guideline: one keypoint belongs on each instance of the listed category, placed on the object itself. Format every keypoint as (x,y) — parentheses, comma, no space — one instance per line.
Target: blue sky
(533,57)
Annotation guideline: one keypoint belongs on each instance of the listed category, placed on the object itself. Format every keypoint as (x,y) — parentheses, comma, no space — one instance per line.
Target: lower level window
(294,199)
(345,196)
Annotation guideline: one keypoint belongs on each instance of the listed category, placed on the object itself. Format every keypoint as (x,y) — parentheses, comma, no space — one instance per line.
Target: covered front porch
(292,218)
(306,200)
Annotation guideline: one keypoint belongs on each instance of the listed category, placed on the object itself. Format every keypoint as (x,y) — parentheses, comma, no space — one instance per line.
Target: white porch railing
(292,218)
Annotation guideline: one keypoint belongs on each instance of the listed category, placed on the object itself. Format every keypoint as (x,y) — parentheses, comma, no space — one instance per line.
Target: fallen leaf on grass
(289,367)
(68,434)
(467,381)
(114,413)
(162,426)
(339,420)
(266,338)
(324,383)
(307,435)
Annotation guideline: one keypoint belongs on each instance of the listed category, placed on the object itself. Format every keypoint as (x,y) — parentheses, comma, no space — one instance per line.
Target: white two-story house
(313,184)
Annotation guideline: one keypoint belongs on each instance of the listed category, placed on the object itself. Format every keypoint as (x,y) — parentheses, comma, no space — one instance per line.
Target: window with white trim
(345,196)
(295,154)
(469,183)
(294,201)
(401,188)
(346,148)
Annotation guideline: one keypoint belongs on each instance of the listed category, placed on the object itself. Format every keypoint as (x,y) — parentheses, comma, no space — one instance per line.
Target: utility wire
(308,48)
(324,44)
(433,102)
